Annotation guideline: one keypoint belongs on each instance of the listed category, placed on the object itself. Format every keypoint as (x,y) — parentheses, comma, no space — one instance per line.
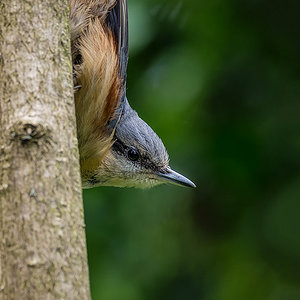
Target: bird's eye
(133,155)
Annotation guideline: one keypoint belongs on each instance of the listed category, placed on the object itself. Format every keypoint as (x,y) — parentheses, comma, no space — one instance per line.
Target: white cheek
(127,167)
(121,172)
(131,169)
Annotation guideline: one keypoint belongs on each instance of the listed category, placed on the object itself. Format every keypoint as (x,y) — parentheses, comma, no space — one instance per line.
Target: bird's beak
(170,176)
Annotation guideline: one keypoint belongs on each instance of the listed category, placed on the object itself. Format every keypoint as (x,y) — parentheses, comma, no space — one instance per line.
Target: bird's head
(137,158)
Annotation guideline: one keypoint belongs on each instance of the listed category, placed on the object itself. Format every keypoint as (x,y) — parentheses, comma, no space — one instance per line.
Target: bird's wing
(117,21)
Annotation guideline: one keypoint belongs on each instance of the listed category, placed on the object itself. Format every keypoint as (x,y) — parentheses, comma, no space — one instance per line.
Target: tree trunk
(42,238)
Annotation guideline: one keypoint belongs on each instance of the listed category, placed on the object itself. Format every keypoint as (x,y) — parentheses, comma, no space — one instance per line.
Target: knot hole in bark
(29,132)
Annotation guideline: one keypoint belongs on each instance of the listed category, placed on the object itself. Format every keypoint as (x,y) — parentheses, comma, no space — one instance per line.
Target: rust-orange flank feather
(95,64)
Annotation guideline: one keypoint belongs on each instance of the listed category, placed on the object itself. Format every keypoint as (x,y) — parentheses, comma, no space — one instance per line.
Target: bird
(116,147)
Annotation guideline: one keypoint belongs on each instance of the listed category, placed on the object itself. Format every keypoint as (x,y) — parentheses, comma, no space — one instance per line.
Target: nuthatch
(117,148)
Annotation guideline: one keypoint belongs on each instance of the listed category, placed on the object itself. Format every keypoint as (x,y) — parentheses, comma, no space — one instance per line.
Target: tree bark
(42,237)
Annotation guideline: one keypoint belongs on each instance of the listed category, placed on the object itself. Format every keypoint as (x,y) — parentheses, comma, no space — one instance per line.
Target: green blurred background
(219,81)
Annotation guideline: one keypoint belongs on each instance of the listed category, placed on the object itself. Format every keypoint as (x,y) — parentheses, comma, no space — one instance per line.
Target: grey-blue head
(137,158)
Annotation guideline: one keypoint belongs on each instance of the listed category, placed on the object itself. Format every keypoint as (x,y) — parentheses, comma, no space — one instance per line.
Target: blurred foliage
(219,81)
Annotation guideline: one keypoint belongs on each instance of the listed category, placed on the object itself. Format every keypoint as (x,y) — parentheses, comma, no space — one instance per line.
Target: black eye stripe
(119,147)
(149,165)
(133,154)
